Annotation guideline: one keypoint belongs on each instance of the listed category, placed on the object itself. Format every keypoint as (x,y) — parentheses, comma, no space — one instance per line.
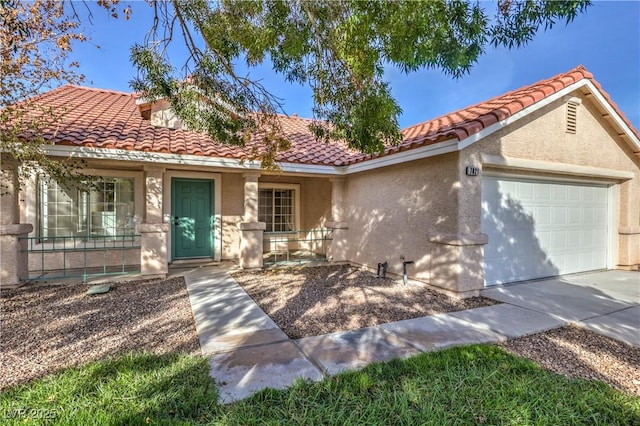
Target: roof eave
(626,132)
(74,151)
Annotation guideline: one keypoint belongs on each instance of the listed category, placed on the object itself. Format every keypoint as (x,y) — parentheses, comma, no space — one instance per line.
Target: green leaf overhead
(339,48)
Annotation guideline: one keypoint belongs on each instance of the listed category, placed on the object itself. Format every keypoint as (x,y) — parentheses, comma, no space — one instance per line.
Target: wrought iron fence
(69,257)
(298,246)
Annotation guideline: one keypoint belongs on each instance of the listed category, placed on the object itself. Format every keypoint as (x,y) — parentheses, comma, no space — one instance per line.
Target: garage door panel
(525,191)
(544,238)
(575,236)
(543,268)
(509,187)
(588,194)
(600,238)
(559,216)
(574,194)
(558,242)
(542,228)
(543,192)
(574,214)
(588,217)
(558,193)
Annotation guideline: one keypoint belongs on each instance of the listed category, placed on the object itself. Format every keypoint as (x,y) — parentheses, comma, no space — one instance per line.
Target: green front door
(192,218)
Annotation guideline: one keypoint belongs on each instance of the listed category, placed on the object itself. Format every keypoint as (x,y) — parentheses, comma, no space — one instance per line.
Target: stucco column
(13,255)
(252,231)
(629,248)
(338,226)
(154,259)
(629,227)
(456,263)
(457,251)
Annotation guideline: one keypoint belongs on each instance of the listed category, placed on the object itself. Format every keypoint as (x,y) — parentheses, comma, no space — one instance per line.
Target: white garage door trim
(497,276)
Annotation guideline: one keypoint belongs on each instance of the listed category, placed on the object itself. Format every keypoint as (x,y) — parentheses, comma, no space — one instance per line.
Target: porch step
(192,263)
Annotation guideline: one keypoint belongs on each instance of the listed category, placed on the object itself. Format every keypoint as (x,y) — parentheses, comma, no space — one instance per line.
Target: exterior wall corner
(456,262)
(13,252)
(251,244)
(153,249)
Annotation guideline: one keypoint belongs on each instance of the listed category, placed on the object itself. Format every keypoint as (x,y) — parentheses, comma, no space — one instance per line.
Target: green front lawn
(467,385)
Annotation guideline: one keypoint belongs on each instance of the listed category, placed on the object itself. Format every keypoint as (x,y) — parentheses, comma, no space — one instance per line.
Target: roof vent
(572,114)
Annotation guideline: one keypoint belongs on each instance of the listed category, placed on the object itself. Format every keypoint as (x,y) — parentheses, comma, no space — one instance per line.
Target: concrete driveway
(607,302)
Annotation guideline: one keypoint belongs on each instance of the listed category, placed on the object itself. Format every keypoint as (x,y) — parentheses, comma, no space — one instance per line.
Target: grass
(131,389)
(478,384)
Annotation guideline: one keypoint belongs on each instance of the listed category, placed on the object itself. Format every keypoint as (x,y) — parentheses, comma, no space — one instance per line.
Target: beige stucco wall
(430,211)
(13,259)
(392,212)
(232,211)
(315,202)
(541,136)
(163,116)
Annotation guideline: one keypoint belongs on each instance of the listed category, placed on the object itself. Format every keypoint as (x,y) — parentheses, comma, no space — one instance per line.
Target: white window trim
(296,199)
(31,205)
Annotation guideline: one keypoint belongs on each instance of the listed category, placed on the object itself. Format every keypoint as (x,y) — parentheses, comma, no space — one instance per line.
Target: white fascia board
(614,114)
(311,169)
(231,163)
(143,101)
(439,148)
(148,157)
(181,159)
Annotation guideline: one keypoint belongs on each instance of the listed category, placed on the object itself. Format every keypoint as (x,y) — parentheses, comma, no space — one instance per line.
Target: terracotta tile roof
(109,119)
(470,120)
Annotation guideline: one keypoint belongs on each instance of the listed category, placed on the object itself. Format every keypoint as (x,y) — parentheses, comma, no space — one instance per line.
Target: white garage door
(542,228)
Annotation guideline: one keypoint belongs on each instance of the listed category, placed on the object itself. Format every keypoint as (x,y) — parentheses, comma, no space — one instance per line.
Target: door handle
(175,220)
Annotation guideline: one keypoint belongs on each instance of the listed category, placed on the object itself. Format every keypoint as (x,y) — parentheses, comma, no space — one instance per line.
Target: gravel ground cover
(326,299)
(576,352)
(47,328)
(44,329)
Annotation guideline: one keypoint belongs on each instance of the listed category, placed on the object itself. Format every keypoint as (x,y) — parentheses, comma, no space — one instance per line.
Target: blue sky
(606,40)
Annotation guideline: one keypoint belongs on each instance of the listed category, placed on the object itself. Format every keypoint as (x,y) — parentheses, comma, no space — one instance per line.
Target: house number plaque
(472,171)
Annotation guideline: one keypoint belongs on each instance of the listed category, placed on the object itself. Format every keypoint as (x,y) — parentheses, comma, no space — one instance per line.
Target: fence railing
(80,257)
(296,246)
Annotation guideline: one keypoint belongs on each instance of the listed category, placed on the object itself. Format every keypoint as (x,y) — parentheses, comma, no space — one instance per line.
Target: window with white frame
(65,211)
(277,207)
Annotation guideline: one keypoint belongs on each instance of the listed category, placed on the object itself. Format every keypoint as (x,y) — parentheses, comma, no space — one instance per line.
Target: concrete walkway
(248,352)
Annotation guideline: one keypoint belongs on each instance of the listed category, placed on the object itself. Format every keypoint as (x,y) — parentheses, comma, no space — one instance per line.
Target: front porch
(268,232)
(252,218)
(297,247)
